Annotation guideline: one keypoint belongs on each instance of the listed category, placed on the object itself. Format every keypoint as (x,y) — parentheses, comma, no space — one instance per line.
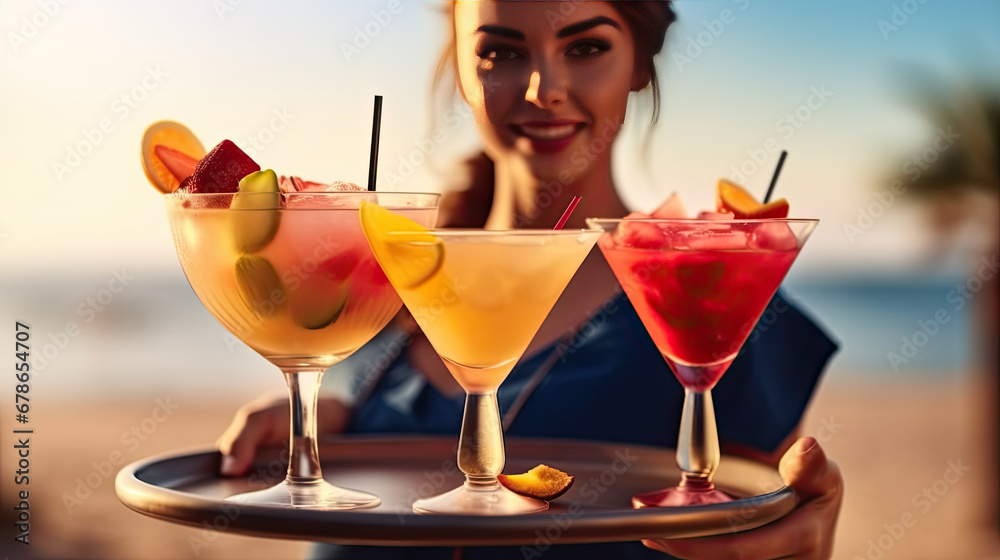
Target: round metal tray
(186,488)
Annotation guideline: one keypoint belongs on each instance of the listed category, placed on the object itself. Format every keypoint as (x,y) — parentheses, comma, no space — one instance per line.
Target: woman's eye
(588,48)
(498,54)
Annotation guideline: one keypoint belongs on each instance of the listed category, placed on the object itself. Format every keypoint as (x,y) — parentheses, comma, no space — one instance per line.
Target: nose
(547,85)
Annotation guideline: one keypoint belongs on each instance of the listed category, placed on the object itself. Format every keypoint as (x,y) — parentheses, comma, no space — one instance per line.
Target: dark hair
(648,20)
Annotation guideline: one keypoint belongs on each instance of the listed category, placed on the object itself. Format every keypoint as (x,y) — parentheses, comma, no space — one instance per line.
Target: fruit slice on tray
(170,152)
(542,482)
(733,198)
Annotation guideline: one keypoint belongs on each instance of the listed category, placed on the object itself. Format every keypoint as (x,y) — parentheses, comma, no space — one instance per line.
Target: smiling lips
(548,136)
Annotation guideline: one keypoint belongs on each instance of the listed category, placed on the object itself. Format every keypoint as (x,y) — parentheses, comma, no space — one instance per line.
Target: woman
(548,84)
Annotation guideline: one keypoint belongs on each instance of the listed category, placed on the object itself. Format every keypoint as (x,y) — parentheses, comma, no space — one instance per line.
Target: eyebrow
(501,31)
(585,25)
(572,29)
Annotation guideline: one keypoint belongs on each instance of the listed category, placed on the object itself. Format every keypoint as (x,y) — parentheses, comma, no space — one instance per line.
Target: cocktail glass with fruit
(479,296)
(290,274)
(699,286)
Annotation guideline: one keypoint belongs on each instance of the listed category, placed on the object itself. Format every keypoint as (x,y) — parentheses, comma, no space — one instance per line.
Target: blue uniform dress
(610,384)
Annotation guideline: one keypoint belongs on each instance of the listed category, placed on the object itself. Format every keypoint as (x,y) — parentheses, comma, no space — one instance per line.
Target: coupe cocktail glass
(699,287)
(297,282)
(480,297)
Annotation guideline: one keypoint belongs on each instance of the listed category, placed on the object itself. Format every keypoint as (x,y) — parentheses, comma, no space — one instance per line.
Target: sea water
(155,337)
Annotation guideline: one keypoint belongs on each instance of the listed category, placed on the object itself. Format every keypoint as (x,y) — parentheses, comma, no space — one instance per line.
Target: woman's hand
(265,421)
(806,533)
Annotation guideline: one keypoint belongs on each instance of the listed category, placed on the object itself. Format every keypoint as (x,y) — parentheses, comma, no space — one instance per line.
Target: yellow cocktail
(479,296)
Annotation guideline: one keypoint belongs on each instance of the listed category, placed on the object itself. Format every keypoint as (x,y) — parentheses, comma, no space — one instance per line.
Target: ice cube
(776,236)
(324,199)
(295,184)
(706,215)
(200,201)
(636,234)
(716,216)
(720,241)
(344,186)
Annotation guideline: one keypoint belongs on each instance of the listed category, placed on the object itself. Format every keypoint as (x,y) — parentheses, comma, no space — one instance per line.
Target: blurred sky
(227,68)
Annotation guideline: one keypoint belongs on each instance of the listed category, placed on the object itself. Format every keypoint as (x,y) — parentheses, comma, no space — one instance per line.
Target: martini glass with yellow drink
(479,296)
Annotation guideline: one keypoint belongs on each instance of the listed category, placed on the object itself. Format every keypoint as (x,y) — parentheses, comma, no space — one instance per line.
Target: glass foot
(311,495)
(480,500)
(680,496)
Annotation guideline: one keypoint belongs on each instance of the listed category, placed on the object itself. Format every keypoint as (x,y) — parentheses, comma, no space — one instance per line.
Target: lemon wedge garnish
(408,253)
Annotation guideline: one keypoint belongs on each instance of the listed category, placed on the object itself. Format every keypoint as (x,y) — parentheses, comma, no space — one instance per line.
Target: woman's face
(548,82)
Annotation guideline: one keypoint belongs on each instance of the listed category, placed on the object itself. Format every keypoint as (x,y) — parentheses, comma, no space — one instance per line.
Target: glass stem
(480,445)
(303,390)
(698,442)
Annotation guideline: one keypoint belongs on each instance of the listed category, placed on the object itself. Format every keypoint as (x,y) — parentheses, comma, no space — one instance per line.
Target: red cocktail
(699,287)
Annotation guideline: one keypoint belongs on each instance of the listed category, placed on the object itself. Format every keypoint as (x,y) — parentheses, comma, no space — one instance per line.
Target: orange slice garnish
(169,149)
(733,198)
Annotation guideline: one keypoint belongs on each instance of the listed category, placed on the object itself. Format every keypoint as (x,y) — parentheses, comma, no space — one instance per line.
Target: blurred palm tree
(961,192)
(961,187)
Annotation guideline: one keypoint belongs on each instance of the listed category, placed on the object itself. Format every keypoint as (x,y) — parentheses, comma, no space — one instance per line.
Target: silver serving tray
(186,488)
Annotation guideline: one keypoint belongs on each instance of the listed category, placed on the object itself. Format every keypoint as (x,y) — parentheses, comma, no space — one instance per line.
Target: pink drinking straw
(566,214)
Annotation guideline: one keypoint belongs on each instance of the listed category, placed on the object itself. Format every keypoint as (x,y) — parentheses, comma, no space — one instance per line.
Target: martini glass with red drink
(699,286)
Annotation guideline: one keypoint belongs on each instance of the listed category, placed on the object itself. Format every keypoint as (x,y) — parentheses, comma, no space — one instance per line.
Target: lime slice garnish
(255,218)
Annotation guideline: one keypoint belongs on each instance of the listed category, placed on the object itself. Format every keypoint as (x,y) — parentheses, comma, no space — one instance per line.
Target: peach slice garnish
(169,150)
(542,482)
(733,198)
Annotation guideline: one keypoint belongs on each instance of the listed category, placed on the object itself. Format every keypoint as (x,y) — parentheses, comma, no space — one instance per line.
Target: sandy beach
(895,441)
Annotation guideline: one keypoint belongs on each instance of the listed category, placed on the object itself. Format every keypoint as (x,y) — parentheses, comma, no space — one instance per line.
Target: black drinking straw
(774,178)
(373,155)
